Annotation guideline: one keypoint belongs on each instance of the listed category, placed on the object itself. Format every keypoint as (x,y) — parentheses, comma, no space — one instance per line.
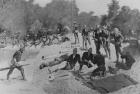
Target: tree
(61,11)
(12,16)
(127,20)
(104,20)
(35,27)
(88,19)
(113,10)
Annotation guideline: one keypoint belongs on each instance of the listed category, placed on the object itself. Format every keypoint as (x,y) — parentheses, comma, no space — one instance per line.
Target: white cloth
(59,66)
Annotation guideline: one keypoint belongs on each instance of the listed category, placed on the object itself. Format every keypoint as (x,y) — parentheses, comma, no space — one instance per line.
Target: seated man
(99,60)
(68,62)
(72,60)
(87,59)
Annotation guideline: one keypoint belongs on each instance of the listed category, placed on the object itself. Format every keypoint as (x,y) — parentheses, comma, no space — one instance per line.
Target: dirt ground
(37,80)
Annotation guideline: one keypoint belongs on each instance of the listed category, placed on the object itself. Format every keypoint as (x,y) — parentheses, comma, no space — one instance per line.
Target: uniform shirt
(17,56)
(97,34)
(99,60)
(105,34)
(87,56)
(75,29)
(85,32)
(117,38)
(73,59)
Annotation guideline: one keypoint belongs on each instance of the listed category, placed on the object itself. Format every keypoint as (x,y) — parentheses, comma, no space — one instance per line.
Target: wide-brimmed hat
(116,30)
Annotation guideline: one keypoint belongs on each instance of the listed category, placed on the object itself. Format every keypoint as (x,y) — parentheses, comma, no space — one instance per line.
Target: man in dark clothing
(87,59)
(72,60)
(99,60)
(129,60)
(118,38)
(15,63)
(86,38)
(105,36)
(97,39)
(75,31)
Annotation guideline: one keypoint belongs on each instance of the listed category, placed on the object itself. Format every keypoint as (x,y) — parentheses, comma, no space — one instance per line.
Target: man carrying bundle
(15,63)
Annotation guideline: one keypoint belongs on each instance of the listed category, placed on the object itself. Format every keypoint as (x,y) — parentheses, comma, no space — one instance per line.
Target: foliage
(88,19)
(12,16)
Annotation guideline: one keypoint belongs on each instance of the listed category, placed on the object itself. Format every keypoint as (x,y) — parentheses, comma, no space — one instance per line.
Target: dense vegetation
(23,16)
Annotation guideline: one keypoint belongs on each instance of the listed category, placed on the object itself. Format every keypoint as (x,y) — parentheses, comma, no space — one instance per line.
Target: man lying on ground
(64,62)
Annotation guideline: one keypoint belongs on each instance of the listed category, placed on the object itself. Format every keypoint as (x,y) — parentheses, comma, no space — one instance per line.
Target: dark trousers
(84,63)
(118,50)
(98,46)
(12,69)
(99,71)
(76,37)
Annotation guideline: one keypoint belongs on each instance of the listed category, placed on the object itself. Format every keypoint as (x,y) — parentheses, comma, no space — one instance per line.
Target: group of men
(90,60)
(102,36)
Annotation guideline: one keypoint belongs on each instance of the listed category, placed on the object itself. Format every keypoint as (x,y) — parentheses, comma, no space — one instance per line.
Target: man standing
(15,63)
(97,39)
(105,36)
(87,59)
(86,38)
(118,38)
(75,31)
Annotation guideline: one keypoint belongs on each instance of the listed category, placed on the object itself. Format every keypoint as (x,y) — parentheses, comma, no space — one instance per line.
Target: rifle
(2,69)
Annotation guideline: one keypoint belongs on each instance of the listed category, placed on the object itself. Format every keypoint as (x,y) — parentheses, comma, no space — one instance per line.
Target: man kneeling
(99,60)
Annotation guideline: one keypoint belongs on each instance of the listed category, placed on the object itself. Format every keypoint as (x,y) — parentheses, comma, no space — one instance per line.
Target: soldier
(99,60)
(87,59)
(68,62)
(75,31)
(97,39)
(86,37)
(105,36)
(118,38)
(15,63)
